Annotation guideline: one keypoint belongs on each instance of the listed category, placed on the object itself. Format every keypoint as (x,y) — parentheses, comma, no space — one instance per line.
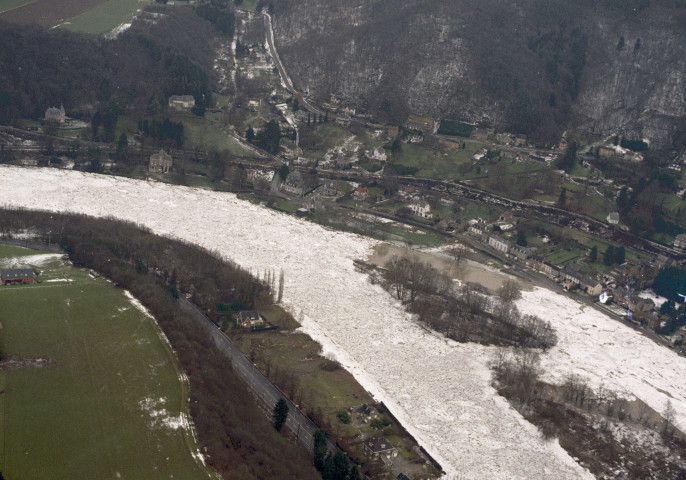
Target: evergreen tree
(250,134)
(620,255)
(329,468)
(622,198)
(594,254)
(521,239)
(319,449)
(609,257)
(620,44)
(340,466)
(280,414)
(562,199)
(354,473)
(566,162)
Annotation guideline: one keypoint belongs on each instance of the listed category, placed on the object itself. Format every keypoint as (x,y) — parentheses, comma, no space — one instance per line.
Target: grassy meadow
(105,17)
(89,388)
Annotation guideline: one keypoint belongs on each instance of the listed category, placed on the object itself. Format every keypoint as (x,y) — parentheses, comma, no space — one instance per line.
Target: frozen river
(439,389)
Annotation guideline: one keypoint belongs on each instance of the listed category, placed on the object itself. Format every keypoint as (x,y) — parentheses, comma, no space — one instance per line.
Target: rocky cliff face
(531,66)
(639,90)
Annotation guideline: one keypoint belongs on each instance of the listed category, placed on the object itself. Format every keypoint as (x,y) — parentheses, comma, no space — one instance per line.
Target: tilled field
(49,13)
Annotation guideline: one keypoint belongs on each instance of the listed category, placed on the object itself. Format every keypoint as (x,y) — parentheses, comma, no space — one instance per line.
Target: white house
(613,218)
(499,244)
(680,241)
(421,208)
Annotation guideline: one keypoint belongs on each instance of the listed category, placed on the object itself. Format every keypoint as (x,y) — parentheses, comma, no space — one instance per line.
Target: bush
(343,417)
(380,423)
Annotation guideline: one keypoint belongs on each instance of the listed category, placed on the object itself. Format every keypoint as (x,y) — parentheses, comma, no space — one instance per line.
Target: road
(285,79)
(301,426)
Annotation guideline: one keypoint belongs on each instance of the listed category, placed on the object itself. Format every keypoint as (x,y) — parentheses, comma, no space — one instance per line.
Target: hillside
(533,67)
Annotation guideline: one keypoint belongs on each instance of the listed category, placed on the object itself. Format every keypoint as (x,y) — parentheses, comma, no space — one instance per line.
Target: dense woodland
(237,438)
(137,71)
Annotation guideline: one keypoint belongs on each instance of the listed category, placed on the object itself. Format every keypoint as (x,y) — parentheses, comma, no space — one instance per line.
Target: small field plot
(6,5)
(428,163)
(48,13)
(105,17)
(90,390)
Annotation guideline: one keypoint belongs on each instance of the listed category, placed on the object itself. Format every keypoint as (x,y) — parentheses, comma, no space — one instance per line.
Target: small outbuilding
(17,276)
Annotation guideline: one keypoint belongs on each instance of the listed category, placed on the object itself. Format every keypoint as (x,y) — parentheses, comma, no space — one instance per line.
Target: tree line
(466,314)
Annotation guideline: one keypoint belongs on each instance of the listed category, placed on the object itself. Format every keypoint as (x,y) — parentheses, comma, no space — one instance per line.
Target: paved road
(266,391)
(282,70)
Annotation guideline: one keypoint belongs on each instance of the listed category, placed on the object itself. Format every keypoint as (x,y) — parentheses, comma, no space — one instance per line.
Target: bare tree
(280,295)
(668,417)
(509,291)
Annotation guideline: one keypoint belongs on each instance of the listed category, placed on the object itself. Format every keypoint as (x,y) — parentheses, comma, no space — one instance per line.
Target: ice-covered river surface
(439,389)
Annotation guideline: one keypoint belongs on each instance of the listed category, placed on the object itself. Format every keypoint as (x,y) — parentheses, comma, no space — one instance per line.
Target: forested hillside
(171,52)
(534,67)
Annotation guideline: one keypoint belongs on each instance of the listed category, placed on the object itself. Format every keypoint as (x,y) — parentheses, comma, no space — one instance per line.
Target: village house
(160,162)
(250,319)
(521,253)
(294,183)
(17,276)
(392,132)
(520,141)
(481,134)
(57,115)
(613,218)
(361,193)
(606,152)
(380,449)
(378,154)
(288,148)
(499,244)
(343,120)
(182,102)
(680,241)
(504,138)
(254,104)
(330,188)
(421,208)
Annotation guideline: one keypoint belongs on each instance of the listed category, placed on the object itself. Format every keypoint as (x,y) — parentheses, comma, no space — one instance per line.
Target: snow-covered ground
(608,354)
(439,389)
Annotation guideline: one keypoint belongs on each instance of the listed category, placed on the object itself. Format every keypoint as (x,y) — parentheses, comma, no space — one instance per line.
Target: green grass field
(6,5)
(105,17)
(206,134)
(436,165)
(109,402)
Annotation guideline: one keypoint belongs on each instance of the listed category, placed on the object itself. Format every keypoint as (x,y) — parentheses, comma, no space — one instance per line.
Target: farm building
(250,319)
(15,276)
(182,102)
(160,162)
